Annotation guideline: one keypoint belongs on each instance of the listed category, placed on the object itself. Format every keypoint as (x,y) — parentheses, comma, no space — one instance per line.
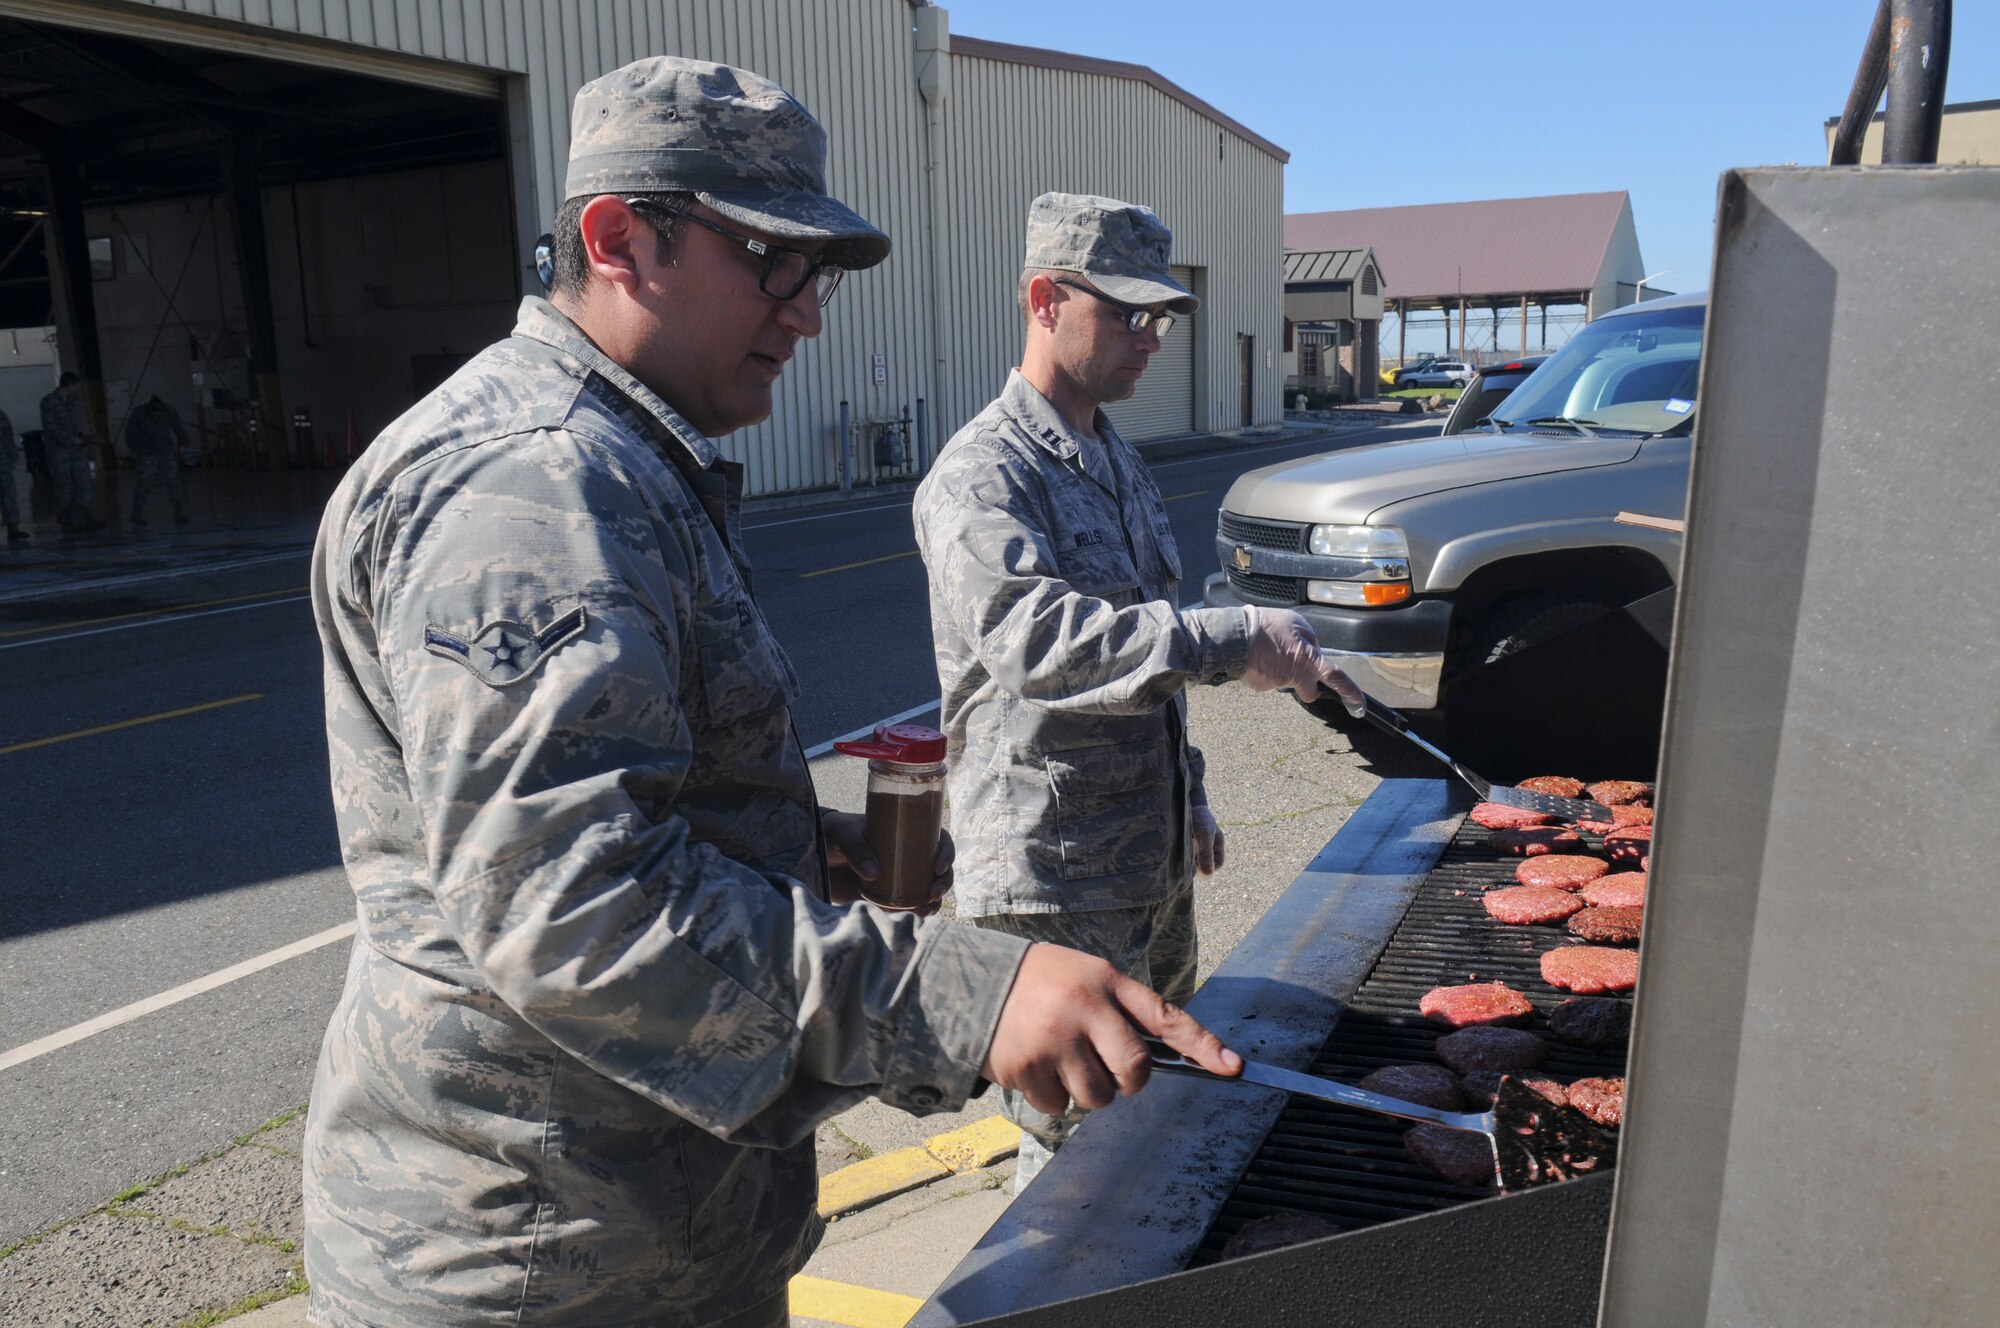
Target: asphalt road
(165,817)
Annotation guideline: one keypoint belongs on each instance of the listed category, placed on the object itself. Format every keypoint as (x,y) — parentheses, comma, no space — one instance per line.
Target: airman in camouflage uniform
(10,502)
(598,999)
(155,437)
(66,444)
(1077,799)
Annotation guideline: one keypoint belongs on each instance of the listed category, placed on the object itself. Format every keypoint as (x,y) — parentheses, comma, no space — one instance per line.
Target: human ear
(612,235)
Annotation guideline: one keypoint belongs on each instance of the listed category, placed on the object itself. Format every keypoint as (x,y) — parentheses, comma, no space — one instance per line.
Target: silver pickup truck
(1419,560)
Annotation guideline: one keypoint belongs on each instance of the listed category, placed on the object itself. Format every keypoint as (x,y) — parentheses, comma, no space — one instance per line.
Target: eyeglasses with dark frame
(1136,320)
(786,271)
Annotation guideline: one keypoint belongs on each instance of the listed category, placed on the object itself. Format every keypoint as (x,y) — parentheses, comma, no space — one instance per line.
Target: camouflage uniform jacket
(1062,657)
(596,1004)
(62,421)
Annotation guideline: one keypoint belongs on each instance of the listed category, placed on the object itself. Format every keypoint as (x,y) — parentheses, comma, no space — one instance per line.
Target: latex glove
(1285,653)
(1070,1032)
(1207,842)
(850,860)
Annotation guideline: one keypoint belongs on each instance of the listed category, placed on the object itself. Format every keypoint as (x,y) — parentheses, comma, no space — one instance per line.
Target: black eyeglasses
(786,271)
(1136,320)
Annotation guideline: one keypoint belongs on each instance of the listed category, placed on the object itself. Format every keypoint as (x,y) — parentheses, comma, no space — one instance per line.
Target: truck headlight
(1358,542)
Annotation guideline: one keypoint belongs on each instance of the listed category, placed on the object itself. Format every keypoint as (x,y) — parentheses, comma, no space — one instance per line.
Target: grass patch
(294,1286)
(283,1118)
(1420,393)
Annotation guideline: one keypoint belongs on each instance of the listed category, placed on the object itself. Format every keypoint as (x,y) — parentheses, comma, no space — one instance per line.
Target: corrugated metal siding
(1011,131)
(1164,403)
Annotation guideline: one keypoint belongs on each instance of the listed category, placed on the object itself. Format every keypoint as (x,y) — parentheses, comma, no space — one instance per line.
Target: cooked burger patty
(1262,1234)
(1562,871)
(1531,905)
(1426,1085)
(1507,1050)
(1619,792)
(1532,841)
(1608,926)
(1498,816)
(1589,969)
(1481,1087)
(1459,1156)
(1478,1003)
(1628,843)
(1619,816)
(1591,1021)
(1603,1100)
(1620,890)
(1556,786)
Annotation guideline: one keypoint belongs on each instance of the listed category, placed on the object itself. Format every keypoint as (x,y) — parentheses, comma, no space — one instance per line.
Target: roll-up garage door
(1164,404)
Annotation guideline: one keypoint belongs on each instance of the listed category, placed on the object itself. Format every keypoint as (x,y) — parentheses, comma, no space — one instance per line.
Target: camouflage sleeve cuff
(963,978)
(1221,642)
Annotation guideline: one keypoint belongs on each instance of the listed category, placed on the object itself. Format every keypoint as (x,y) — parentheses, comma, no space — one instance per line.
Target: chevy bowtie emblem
(1241,558)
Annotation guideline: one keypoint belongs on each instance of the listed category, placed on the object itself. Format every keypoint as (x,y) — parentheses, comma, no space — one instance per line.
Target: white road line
(184,569)
(174,996)
(153,622)
(827,516)
(812,753)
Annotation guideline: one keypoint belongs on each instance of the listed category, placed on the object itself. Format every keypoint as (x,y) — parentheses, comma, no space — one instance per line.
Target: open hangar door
(273,247)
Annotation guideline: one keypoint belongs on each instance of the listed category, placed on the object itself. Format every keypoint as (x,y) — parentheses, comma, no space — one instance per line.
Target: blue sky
(1386,104)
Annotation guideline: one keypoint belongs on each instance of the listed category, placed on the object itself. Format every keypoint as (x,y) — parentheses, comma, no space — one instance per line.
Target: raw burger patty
(1622,890)
(1556,786)
(1608,926)
(1589,969)
(1530,841)
(1426,1085)
(1620,792)
(1562,871)
(1529,905)
(1459,1156)
(1495,816)
(1508,1050)
(1276,1232)
(1591,1021)
(1482,1086)
(1619,816)
(1603,1100)
(1628,843)
(1480,1003)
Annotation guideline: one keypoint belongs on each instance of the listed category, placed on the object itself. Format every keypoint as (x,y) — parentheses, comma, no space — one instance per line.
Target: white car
(1445,373)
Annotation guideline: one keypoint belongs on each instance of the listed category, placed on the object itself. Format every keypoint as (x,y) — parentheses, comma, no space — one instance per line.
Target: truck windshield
(1635,373)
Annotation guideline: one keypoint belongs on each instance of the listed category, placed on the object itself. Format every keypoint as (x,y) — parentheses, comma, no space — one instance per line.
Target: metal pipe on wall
(846,447)
(1919,54)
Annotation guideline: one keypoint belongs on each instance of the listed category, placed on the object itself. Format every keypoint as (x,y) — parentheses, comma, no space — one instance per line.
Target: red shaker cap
(908,744)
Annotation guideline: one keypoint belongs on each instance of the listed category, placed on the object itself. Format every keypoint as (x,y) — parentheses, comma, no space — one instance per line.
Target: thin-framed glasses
(1136,320)
(786,271)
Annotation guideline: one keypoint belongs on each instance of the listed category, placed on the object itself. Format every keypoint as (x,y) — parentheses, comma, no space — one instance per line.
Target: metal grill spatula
(1563,809)
(1535,1142)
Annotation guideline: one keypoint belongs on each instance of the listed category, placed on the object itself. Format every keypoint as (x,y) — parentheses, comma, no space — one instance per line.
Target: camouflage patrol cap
(1121,247)
(735,140)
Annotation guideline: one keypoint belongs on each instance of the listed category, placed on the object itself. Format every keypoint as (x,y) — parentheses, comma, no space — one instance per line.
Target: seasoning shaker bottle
(906,770)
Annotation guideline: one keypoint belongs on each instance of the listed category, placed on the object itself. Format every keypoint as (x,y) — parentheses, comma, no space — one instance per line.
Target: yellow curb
(877,1179)
(969,1148)
(855,1306)
(977,1145)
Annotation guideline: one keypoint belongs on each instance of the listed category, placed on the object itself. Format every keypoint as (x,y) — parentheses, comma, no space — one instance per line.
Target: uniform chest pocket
(1095,562)
(1114,807)
(744,672)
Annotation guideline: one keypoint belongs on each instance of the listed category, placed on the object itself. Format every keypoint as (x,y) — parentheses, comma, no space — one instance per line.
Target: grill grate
(1283,536)
(1348,1166)
(1257,588)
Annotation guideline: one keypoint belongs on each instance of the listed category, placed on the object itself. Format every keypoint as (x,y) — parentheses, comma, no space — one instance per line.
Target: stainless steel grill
(1281,535)
(1258,588)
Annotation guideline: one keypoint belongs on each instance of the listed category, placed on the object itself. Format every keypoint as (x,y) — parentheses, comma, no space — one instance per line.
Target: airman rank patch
(503,652)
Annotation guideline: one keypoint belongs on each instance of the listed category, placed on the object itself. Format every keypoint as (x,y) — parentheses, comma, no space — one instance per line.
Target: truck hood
(1348,486)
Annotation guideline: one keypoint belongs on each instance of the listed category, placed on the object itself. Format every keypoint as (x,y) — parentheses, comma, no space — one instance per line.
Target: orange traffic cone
(353,439)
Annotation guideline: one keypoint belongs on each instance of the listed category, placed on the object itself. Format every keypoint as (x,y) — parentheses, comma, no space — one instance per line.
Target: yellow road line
(977,1145)
(132,723)
(855,1306)
(865,562)
(149,613)
(1191,493)
(968,1148)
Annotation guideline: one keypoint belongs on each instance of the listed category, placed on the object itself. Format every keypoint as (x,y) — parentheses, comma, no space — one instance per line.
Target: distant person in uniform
(10,501)
(1062,650)
(66,446)
(602,990)
(155,438)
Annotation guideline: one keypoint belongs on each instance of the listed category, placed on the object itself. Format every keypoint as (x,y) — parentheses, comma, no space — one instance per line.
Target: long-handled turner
(1563,809)
(1534,1141)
